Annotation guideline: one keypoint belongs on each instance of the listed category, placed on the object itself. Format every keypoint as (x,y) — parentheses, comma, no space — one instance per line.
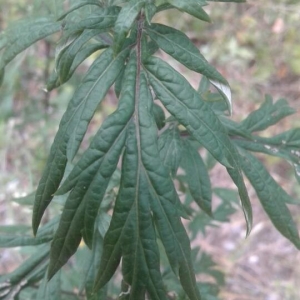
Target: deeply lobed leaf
(184,103)
(147,206)
(89,180)
(131,233)
(74,123)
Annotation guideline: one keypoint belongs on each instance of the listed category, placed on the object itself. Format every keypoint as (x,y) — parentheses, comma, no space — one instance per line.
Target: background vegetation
(258,52)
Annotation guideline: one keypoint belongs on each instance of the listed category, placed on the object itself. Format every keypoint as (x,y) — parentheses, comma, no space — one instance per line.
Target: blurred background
(255,45)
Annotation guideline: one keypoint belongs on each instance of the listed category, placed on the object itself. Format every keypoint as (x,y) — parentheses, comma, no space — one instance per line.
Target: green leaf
(271,196)
(287,139)
(91,91)
(89,180)
(237,177)
(194,113)
(112,129)
(21,36)
(118,83)
(179,46)
(226,195)
(141,255)
(26,200)
(197,177)
(2,73)
(103,18)
(201,221)
(16,239)
(131,232)
(74,123)
(206,265)
(50,290)
(159,116)
(54,81)
(267,115)
(68,235)
(105,218)
(25,32)
(163,199)
(79,5)
(66,40)
(13,31)
(16,229)
(283,145)
(192,7)
(108,165)
(170,148)
(183,102)
(234,128)
(148,48)
(124,22)
(164,6)
(216,102)
(67,57)
(92,269)
(27,269)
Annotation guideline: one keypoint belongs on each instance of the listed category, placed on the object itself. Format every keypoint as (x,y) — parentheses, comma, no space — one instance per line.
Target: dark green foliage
(145,233)
(198,184)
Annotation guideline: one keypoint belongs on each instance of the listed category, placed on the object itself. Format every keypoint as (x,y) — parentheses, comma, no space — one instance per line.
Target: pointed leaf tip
(271,196)
(192,7)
